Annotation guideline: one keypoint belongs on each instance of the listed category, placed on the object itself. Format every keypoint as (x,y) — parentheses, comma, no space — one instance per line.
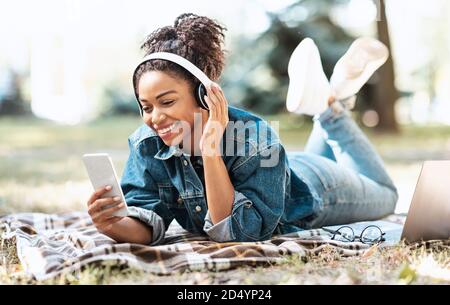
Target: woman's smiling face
(168,106)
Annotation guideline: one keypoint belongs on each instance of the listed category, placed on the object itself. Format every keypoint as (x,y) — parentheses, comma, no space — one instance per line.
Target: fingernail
(117,198)
(108,187)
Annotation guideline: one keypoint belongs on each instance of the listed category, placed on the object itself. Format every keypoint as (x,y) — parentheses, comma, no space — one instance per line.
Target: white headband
(182,62)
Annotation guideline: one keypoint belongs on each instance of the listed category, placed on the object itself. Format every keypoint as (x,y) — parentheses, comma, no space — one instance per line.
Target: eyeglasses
(370,235)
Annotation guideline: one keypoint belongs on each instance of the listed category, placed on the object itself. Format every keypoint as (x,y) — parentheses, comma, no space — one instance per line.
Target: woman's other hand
(217,121)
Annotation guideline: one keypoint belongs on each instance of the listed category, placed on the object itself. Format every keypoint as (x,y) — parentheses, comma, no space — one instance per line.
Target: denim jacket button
(180,200)
(185,162)
(198,208)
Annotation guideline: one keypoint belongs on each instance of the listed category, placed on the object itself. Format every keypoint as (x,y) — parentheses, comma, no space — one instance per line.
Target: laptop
(429,213)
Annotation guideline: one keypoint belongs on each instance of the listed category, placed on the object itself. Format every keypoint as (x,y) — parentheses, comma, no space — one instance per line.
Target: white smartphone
(102,173)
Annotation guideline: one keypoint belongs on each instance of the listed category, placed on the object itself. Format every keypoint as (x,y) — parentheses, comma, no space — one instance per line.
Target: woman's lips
(166,132)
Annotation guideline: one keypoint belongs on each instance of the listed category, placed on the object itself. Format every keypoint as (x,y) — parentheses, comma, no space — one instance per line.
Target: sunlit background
(67,52)
(65,56)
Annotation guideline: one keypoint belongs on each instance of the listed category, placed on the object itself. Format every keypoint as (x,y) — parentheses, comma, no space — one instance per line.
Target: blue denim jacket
(160,184)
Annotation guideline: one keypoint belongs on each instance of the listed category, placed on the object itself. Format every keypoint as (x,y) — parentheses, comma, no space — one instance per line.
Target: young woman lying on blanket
(223,171)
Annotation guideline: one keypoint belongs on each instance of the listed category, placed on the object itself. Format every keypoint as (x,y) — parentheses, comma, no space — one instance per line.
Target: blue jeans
(347,175)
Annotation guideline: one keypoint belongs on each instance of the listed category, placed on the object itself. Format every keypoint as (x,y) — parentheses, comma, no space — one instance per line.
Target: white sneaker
(354,69)
(309,88)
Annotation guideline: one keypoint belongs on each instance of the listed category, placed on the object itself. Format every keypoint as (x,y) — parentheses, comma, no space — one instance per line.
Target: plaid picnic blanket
(50,244)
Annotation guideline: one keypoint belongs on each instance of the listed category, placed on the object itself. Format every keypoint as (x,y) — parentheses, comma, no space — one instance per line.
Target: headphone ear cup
(200,92)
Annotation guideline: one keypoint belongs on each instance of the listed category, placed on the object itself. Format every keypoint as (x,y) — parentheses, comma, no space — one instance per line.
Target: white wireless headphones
(200,89)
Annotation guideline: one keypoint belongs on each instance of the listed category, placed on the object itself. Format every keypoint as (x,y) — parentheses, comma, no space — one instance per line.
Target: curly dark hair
(199,39)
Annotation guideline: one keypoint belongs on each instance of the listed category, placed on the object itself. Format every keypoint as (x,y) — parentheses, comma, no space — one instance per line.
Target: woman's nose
(157,117)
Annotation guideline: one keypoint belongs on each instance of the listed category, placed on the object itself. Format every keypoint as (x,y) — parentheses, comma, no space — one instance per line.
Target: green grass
(41,171)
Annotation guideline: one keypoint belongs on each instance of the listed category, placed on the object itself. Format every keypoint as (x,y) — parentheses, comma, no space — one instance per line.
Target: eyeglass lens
(371,234)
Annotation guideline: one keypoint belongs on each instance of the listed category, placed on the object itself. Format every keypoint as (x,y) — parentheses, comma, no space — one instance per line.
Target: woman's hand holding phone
(101,210)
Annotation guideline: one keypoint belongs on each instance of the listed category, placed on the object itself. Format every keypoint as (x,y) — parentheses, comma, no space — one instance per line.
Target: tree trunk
(386,92)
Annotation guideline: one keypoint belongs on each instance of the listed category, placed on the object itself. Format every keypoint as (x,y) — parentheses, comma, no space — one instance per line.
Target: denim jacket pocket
(168,194)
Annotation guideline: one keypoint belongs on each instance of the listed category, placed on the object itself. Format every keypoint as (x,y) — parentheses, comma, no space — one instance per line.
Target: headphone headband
(182,62)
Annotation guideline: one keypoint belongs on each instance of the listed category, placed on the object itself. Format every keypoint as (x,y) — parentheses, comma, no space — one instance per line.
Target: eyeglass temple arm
(331,231)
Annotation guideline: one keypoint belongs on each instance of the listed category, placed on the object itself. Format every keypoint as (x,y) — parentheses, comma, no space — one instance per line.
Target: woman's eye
(164,103)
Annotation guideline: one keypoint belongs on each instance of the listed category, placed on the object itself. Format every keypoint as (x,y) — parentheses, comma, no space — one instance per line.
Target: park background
(65,82)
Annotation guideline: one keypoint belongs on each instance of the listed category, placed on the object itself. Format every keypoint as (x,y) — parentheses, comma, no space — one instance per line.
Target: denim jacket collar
(168,151)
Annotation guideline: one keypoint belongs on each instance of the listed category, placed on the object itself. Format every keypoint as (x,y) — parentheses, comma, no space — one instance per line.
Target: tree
(386,93)
(11,98)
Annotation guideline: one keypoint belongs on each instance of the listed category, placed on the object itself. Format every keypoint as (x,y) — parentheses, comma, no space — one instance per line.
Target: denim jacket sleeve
(141,193)
(258,199)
